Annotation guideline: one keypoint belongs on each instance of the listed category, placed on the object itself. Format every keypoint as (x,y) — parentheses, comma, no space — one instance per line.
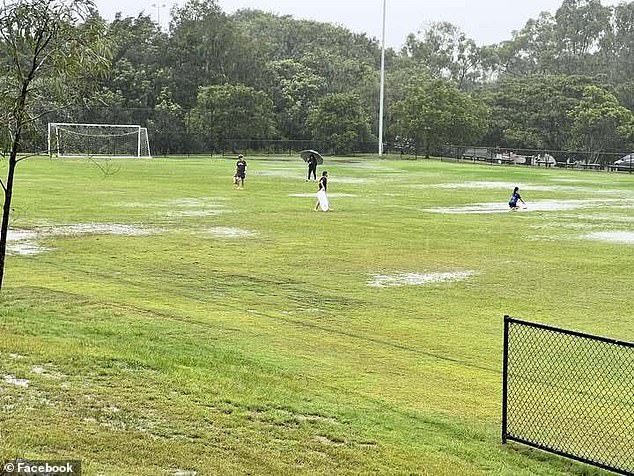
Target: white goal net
(97,140)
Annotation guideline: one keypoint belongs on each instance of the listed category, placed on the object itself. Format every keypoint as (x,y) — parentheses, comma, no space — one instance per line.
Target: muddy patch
(417,279)
(618,237)
(228,232)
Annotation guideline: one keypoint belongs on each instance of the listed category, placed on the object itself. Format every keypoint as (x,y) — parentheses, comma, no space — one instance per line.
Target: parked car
(546,160)
(624,163)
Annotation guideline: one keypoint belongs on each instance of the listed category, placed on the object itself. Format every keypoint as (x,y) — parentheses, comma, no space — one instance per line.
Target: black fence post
(505,367)
(569,393)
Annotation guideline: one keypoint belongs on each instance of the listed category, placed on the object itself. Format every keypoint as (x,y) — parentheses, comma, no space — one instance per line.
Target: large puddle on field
(536,206)
(417,279)
(25,242)
(524,188)
(620,237)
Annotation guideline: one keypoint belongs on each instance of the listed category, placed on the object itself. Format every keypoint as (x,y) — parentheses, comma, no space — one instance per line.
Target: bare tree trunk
(6,209)
(13,161)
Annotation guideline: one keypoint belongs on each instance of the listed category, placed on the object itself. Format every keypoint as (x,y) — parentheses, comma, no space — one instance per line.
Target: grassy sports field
(158,321)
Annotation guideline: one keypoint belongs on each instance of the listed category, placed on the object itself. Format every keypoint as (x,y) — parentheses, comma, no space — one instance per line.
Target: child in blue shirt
(514,199)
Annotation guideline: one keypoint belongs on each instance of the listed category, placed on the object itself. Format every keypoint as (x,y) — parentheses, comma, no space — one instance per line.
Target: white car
(625,163)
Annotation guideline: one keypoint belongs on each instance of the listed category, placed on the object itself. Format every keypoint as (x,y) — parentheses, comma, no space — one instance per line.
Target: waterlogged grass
(240,334)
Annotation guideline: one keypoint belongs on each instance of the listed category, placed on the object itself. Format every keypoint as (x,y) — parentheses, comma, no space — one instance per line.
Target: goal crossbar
(67,139)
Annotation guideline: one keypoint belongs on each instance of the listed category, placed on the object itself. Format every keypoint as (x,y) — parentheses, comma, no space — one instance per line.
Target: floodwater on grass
(492,185)
(184,472)
(606,217)
(620,237)
(40,370)
(98,229)
(194,213)
(191,202)
(571,180)
(20,235)
(313,195)
(417,279)
(541,206)
(369,165)
(280,173)
(349,180)
(18,382)
(23,242)
(26,248)
(228,232)
(200,203)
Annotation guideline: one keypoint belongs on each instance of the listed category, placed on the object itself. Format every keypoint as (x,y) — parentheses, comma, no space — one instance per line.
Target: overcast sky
(486,21)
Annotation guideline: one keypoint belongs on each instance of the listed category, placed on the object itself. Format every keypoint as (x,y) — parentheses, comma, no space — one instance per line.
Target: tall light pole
(382,94)
(158,7)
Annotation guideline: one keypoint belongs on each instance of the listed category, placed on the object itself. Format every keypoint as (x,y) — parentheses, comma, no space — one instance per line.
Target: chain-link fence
(610,161)
(569,393)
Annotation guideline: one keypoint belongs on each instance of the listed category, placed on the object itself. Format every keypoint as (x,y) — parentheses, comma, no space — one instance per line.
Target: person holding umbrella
(313,159)
(312,166)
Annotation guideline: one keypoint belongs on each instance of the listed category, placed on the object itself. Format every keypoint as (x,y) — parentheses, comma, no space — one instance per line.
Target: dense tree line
(564,81)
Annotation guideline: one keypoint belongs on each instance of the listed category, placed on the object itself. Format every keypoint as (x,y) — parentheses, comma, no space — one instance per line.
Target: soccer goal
(97,140)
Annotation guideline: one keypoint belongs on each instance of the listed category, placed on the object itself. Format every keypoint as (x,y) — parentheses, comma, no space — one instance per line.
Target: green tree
(533,111)
(231,111)
(339,122)
(167,125)
(435,112)
(343,61)
(42,50)
(532,50)
(600,122)
(580,26)
(137,73)
(295,90)
(206,48)
(447,53)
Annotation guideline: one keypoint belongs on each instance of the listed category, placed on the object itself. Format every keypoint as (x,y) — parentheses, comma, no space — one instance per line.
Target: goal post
(97,140)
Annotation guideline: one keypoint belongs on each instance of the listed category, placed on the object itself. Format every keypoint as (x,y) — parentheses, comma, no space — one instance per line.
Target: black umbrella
(305,155)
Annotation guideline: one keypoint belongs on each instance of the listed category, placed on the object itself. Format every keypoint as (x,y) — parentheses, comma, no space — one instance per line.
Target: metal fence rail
(569,393)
